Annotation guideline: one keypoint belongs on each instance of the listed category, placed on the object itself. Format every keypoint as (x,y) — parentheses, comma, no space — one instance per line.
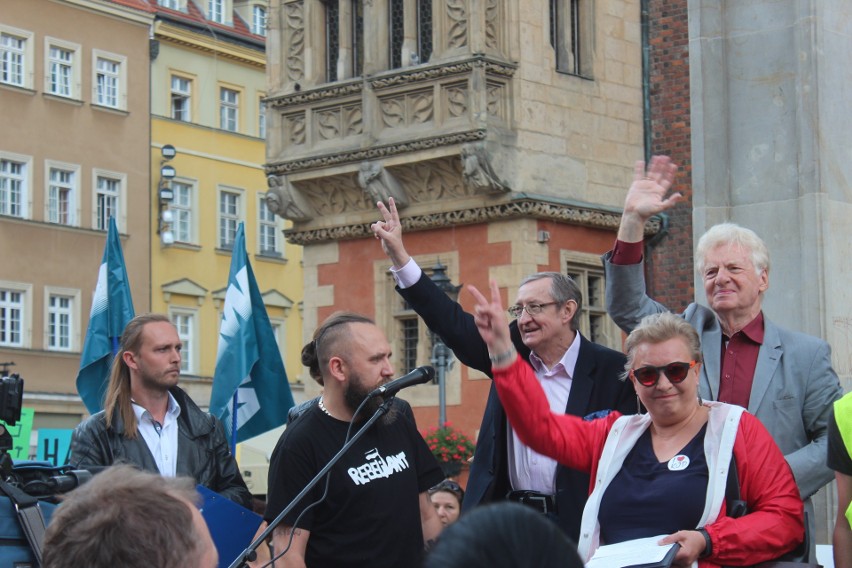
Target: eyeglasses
(532,309)
(675,373)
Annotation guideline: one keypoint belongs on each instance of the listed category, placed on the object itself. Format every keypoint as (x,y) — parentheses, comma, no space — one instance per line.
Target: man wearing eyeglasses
(578,376)
(782,377)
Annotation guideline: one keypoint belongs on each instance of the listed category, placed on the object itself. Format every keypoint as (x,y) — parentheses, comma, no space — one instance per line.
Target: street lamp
(165,195)
(442,356)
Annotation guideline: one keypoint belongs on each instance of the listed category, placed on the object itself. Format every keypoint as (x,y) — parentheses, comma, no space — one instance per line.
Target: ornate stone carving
(455,97)
(571,215)
(375,152)
(294,125)
(492,23)
(353,120)
(478,172)
(335,195)
(294,32)
(315,95)
(434,180)
(457,15)
(409,108)
(380,184)
(494,99)
(327,123)
(282,199)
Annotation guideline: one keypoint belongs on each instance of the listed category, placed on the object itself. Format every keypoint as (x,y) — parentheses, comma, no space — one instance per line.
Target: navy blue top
(648,498)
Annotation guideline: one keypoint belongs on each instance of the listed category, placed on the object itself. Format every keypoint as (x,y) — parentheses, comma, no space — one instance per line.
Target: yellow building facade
(207,90)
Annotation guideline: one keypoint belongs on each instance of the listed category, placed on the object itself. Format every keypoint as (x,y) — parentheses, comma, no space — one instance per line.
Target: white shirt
(528,470)
(162,439)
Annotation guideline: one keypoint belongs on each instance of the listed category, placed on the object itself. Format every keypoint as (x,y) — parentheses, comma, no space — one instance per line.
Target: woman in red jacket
(664,472)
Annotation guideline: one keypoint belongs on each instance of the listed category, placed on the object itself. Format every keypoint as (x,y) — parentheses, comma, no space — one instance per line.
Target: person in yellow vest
(839,452)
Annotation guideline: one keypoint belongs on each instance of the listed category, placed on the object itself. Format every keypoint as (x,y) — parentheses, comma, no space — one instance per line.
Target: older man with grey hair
(783,377)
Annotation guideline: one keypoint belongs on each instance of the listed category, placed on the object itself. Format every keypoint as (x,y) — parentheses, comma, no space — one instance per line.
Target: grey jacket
(794,383)
(203,450)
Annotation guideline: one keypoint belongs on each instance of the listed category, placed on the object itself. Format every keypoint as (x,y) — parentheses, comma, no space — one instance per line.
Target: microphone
(418,376)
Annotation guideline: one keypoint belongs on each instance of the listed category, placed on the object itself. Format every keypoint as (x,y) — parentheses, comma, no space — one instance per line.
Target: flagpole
(234,423)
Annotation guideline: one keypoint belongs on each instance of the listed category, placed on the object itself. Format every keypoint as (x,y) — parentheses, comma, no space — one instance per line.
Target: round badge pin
(678,463)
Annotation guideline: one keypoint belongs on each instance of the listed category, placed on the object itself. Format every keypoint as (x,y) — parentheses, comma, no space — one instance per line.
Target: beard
(354,395)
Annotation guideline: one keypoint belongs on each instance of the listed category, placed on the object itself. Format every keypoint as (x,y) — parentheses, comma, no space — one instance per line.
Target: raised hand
(647,196)
(389,231)
(491,320)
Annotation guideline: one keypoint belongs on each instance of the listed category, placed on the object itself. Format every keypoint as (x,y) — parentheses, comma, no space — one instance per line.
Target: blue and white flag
(249,370)
(112,308)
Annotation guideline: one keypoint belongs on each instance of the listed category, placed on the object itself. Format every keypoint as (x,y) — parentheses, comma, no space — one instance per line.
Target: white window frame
(73,313)
(24,57)
(24,180)
(74,65)
(119,77)
(227,216)
(268,221)
(259,14)
(179,5)
(184,217)
(185,95)
(121,213)
(189,338)
(25,331)
(229,110)
(220,11)
(74,192)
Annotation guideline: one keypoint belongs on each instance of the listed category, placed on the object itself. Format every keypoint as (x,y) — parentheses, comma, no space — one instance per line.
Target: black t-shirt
(371,515)
(838,456)
(648,497)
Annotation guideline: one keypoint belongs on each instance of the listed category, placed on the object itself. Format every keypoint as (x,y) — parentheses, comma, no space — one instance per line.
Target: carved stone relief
(294,127)
(495,100)
(478,173)
(380,184)
(492,24)
(335,195)
(457,29)
(408,108)
(432,181)
(375,152)
(283,200)
(353,120)
(524,208)
(456,99)
(294,33)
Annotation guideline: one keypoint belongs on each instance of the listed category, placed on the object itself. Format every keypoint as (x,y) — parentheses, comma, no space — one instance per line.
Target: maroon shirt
(739,352)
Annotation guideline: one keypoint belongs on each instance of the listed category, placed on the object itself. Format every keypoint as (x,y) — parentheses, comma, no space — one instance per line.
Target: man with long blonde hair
(150,422)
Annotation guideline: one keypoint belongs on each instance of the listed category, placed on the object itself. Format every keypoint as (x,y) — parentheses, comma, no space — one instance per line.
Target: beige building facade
(506,139)
(74,109)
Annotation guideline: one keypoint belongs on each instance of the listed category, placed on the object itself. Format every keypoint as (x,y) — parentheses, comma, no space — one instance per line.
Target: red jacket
(774,523)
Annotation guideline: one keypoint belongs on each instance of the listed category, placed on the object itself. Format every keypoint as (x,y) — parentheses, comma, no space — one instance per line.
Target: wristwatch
(708,545)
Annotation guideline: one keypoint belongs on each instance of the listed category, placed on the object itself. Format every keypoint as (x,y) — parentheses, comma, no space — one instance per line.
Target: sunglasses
(447,485)
(648,375)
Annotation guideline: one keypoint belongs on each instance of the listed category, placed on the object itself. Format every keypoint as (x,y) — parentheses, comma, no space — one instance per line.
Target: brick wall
(669,265)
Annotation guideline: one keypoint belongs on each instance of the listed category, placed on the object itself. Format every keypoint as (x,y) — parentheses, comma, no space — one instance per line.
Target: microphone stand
(241,560)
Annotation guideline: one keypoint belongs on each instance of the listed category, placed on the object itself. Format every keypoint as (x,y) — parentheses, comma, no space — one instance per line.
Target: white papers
(630,553)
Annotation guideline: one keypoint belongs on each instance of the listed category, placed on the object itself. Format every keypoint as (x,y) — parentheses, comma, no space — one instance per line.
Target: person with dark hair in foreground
(129,518)
(503,535)
(664,472)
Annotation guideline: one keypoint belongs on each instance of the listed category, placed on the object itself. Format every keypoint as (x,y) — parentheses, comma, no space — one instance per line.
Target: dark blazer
(595,387)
